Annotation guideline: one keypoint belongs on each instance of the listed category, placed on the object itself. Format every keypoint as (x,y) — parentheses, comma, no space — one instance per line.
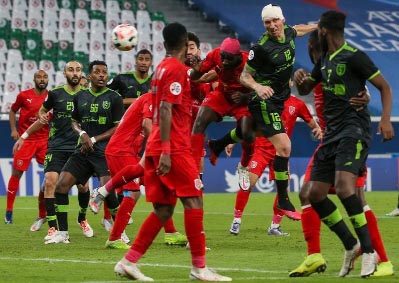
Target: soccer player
(343,70)
(96,112)
(132,84)
(228,61)
(315,262)
(264,154)
(170,170)
(123,155)
(28,103)
(267,73)
(84,82)
(56,112)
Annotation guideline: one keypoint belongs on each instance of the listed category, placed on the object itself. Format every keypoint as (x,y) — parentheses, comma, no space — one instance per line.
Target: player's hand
(87,145)
(264,92)
(317,133)
(18,144)
(229,149)
(43,118)
(194,61)
(360,101)
(300,76)
(164,165)
(14,135)
(386,129)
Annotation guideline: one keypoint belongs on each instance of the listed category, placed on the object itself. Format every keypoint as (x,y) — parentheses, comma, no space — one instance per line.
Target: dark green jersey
(273,62)
(97,112)
(60,104)
(343,75)
(129,86)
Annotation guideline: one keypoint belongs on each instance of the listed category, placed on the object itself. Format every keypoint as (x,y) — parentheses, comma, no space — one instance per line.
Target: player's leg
(83,200)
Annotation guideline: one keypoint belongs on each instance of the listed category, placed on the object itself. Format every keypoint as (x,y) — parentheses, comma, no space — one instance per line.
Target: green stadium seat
(17,39)
(33,45)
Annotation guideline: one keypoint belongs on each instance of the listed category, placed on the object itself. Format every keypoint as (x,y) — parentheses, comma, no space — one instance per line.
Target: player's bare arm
(13,125)
(384,126)
(316,130)
(43,115)
(36,126)
(303,29)
(165,122)
(247,80)
(303,82)
(87,145)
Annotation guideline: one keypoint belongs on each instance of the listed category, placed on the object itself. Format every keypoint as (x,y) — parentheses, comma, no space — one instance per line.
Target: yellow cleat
(313,263)
(176,239)
(384,269)
(117,244)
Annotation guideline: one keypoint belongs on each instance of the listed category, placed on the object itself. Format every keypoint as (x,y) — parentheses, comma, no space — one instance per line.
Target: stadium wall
(383,164)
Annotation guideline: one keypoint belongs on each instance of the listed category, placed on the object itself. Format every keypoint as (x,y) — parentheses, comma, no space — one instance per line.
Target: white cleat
(125,238)
(38,224)
(243,177)
(206,274)
(369,264)
(394,212)
(50,233)
(349,259)
(86,229)
(107,223)
(125,268)
(59,237)
(235,226)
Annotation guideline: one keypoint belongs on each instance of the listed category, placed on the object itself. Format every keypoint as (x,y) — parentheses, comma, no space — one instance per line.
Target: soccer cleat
(59,237)
(312,264)
(125,238)
(50,233)
(213,154)
(243,177)
(369,264)
(86,229)
(125,268)
(294,215)
(37,224)
(107,223)
(176,239)
(276,232)
(384,269)
(206,248)
(394,212)
(96,200)
(8,217)
(130,221)
(117,244)
(206,274)
(235,226)
(349,260)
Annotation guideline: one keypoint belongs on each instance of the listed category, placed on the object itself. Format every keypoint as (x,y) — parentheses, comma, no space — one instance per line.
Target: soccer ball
(124,37)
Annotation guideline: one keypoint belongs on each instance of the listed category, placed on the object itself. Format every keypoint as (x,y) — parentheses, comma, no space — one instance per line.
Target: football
(124,37)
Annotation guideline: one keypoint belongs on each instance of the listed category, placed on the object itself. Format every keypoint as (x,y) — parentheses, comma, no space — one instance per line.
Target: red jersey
(28,103)
(170,83)
(294,108)
(319,105)
(229,80)
(125,141)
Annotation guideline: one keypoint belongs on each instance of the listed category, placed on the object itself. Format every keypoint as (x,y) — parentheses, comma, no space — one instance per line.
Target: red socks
(169,226)
(242,198)
(194,226)
(375,235)
(311,225)
(122,218)
(12,189)
(124,176)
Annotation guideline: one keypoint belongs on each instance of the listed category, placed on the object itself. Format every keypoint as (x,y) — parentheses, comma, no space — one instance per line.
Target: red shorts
(30,149)
(182,180)
(360,181)
(218,103)
(264,154)
(117,163)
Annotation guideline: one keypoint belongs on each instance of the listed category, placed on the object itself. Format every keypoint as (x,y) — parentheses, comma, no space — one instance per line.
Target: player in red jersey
(123,154)
(311,223)
(228,62)
(264,154)
(170,170)
(28,103)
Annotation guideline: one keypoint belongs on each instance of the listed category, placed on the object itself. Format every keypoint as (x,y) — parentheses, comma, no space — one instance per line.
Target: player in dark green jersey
(61,144)
(132,84)
(343,72)
(95,116)
(267,73)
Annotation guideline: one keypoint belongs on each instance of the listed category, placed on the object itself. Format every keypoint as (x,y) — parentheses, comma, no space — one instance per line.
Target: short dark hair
(333,20)
(193,37)
(174,35)
(96,62)
(143,51)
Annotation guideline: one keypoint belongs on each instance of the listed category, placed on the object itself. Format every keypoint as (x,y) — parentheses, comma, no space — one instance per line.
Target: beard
(71,82)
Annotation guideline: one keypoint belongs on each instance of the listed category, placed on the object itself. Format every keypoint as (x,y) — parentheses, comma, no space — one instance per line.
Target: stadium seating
(47,34)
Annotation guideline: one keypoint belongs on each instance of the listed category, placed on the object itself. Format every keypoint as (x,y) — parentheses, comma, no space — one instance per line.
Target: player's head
(314,48)
(175,37)
(193,44)
(73,73)
(98,74)
(143,61)
(331,24)
(230,53)
(84,82)
(273,20)
(40,79)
